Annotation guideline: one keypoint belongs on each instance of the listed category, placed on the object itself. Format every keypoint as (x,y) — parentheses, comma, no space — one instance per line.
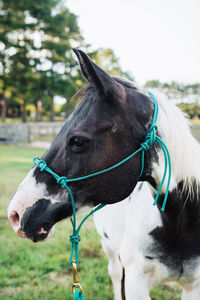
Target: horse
(111,120)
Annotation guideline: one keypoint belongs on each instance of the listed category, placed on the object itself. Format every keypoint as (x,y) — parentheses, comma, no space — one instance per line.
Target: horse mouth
(41,235)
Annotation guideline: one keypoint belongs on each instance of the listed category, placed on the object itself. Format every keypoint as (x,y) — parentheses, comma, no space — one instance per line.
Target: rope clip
(76,284)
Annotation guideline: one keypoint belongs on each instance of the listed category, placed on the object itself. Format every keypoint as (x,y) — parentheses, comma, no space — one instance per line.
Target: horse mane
(128,83)
(183,147)
(174,128)
(78,96)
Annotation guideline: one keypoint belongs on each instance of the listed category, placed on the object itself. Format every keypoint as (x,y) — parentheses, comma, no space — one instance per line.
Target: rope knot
(41,164)
(152,134)
(154,127)
(75,238)
(145,146)
(63,181)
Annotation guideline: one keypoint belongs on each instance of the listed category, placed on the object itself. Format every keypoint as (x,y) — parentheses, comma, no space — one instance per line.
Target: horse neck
(183,148)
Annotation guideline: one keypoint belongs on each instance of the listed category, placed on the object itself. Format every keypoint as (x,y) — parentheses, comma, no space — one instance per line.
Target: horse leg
(115,271)
(136,284)
(192,294)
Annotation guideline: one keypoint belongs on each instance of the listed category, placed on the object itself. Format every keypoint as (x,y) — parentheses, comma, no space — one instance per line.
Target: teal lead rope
(78,295)
(150,139)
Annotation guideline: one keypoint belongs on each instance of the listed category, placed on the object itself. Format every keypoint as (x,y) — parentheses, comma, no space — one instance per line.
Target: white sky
(154,39)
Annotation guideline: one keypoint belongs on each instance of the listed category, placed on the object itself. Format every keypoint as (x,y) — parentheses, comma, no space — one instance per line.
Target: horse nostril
(14,218)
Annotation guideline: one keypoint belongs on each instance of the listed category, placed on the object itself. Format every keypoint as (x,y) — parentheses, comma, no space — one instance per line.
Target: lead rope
(75,238)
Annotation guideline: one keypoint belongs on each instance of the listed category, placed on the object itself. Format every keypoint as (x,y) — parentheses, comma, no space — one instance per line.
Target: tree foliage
(187,96)
(36,56)
(36,39)
(176,90)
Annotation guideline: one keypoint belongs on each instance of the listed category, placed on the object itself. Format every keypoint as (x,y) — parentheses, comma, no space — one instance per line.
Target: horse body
(110,122)
(125,229)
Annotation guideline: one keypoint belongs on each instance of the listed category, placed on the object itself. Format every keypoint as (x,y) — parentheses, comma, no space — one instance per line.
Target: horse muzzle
(31,230)
(36,222)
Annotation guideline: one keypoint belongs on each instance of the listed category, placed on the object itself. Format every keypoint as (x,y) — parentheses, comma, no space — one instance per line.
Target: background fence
(22,134)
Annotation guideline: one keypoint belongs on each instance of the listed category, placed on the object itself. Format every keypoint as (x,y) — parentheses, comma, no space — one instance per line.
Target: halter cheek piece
(150,139)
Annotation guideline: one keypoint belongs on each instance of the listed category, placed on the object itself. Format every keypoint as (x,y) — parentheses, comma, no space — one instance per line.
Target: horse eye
(78,142)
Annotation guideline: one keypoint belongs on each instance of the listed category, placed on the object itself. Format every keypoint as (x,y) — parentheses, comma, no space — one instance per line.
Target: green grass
(33,271)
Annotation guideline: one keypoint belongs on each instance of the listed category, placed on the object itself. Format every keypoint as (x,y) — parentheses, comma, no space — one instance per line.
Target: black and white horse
(109,123)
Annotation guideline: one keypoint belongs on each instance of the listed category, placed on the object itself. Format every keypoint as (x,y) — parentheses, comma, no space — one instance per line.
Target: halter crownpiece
(150,139)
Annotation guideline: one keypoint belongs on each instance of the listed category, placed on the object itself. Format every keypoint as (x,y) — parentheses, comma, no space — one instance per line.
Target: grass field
(41,270)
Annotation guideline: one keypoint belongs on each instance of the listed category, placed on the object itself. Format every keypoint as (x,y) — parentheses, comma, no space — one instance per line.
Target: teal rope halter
(63,181)
(150,139)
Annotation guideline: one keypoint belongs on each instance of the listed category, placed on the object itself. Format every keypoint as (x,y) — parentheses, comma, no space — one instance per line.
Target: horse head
(109,123)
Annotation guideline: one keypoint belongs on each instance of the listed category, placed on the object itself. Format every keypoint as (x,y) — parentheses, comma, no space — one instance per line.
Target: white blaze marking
(28,193)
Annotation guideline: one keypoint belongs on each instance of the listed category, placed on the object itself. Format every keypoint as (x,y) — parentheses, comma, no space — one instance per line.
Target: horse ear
(94,74)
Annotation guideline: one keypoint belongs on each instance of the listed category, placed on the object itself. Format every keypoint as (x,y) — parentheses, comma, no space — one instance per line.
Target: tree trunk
(23,110)
(3,110)
(39,111)
(52,116)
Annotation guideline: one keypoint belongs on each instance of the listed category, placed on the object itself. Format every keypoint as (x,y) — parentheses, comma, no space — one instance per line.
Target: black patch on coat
(43,214)
(140,186)
(148,257)
(178,239)
(105,234)
(123,285)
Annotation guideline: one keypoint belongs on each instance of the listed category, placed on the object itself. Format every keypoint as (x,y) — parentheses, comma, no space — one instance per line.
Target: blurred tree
(3,100)
(153,84)
(192,110)
(182,93)
(36,56)
(176,90)
(35,50)
(58,71)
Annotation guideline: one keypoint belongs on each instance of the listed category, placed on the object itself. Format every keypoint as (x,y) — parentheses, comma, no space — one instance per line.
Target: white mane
(183,148)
